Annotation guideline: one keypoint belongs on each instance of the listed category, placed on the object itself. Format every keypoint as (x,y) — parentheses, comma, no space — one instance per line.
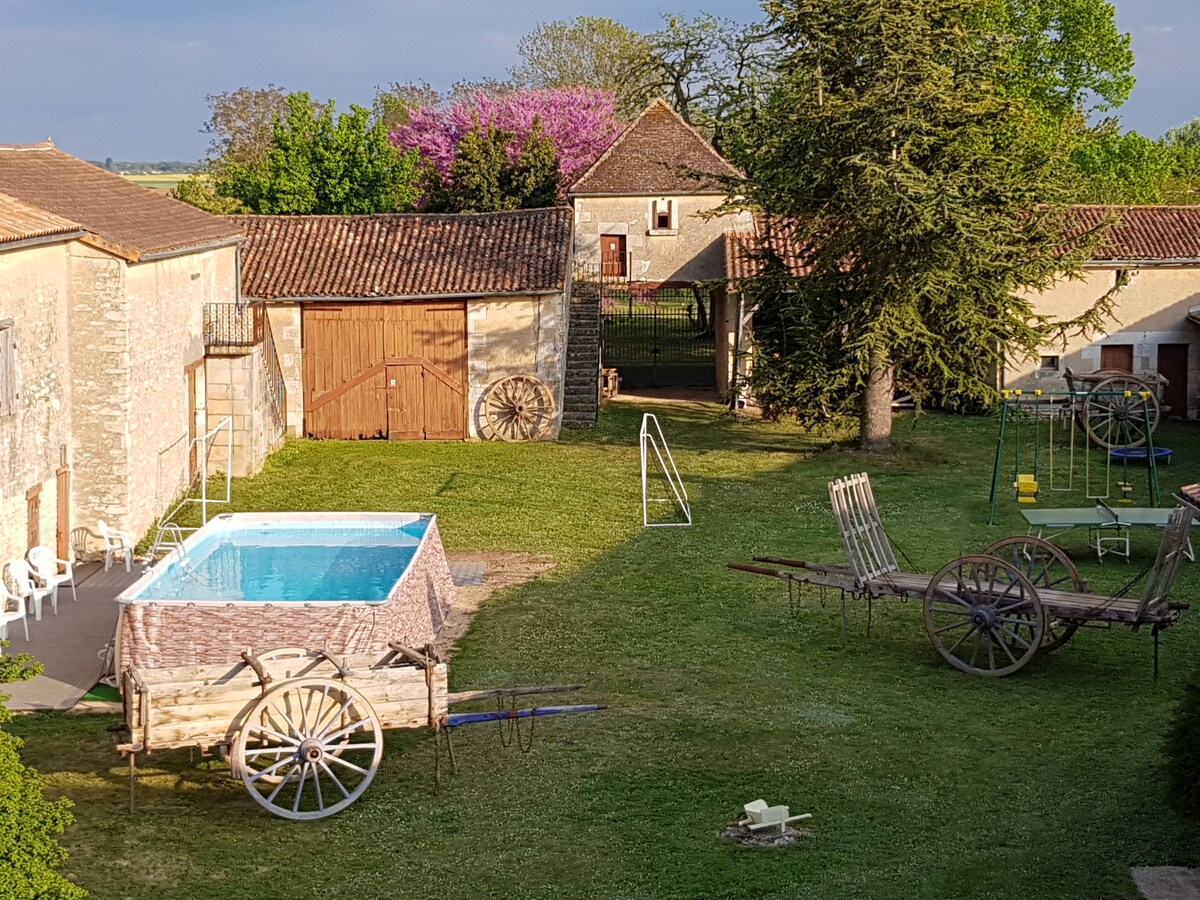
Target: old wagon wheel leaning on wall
(1046,566)
(984,616)
(517,408)
(309,748)
(1120,411)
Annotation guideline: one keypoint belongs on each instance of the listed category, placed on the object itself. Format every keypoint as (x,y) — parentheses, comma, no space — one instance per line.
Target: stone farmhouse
(105,291)
(397,326)
(642,218)
(1154,250)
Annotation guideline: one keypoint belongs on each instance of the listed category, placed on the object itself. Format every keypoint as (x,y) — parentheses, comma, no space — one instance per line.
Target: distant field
(158,182)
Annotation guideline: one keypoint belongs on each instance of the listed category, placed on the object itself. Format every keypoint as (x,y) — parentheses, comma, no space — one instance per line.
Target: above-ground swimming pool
(343,582)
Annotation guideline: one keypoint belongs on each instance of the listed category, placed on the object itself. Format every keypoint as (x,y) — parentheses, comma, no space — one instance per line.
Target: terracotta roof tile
(405,254)
(745,252)
(132,220)
(1145,233)
(20,221)
(645,158)
(1151,234)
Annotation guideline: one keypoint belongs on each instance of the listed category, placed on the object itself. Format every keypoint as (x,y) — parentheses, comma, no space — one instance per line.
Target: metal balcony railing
(225,325)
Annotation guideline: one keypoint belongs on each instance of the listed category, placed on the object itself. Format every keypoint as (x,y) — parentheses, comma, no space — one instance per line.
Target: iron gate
(658,337)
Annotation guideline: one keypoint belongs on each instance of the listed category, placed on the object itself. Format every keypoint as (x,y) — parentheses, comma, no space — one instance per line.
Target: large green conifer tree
(923,198)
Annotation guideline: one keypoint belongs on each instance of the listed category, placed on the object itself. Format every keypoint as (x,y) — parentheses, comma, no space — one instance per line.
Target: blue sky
(128,78)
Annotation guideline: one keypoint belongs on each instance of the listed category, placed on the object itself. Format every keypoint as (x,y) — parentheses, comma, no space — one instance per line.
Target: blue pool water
(299,562)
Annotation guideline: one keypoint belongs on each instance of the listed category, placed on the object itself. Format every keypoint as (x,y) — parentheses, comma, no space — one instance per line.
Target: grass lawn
(923,782)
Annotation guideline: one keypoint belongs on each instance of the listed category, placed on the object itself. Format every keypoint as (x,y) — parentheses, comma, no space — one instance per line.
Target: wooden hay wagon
(1116,408)
(987,614)
(302,729)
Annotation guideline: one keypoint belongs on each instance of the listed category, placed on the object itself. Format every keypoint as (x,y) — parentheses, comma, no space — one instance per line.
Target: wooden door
(62,533)
(612,255)
(406,403)
(33,511)
(1116,356)
(1173,365)
(395,370)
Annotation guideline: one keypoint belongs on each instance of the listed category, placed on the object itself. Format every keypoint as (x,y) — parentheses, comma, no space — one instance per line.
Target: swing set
(1051,438)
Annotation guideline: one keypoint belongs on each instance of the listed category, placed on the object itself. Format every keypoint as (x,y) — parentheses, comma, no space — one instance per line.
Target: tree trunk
(875,423)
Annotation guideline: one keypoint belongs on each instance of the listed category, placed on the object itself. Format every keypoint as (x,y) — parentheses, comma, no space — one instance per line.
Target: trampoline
(1141,454)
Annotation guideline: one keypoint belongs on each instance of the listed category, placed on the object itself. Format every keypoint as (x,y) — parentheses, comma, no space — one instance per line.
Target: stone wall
(285,326)
(165,302)
(99,352)
(515,336)
(238,388)
(1151,310)
(33,294)
(694,253)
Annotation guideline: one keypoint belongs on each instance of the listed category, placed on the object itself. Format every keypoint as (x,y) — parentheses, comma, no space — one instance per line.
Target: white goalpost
(652,441)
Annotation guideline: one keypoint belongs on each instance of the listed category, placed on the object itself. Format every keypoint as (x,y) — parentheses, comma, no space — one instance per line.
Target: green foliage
(1183,751)
(589,51)
(1185,135)
(1121,168)
(198,191)
(392,107)
(321,164)
(923,197)
(487,175)
(29,854)
(1063,55)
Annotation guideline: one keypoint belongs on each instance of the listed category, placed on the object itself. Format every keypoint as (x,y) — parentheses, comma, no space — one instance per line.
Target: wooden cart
(302,729)
(987,614)
(1115,408)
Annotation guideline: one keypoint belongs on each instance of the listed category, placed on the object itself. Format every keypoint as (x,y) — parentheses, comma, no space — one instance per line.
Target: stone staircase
(581,394)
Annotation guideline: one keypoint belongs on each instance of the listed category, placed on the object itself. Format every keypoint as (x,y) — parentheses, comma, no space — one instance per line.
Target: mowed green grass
(157,182)
(922,782)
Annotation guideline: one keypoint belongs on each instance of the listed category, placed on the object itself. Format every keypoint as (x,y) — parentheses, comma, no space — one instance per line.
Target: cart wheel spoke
(332,777)
(331,714)
(992,594)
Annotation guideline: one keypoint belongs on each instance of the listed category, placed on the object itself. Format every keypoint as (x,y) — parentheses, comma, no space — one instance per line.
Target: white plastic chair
(16,588)
(46,568)
(115,541)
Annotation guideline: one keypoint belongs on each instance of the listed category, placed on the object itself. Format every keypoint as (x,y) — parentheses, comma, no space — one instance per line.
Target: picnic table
(1108,527)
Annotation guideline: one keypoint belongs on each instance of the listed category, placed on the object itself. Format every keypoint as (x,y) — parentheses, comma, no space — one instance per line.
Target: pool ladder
(169,537)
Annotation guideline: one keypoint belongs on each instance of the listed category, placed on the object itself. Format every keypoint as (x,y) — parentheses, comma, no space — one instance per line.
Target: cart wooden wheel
(309,748)
(518,408)
(984,616)
(1113,419)
(1046,566)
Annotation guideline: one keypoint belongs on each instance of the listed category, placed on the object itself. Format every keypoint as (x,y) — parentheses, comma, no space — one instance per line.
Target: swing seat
(1027,488)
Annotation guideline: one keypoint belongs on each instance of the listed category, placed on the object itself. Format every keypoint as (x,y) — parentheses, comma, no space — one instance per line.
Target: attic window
(663,217)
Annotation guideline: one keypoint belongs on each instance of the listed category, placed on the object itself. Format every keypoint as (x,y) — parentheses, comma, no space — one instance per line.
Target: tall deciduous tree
(1064,54)
(593,52)
(579,123)
(921,197)
(320,162)
(242,123)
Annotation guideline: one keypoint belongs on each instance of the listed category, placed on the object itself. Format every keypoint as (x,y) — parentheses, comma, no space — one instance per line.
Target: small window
(662,216)
(8,368)
(1050,363)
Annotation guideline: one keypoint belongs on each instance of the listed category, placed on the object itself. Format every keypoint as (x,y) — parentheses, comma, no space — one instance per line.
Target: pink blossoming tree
(580,122)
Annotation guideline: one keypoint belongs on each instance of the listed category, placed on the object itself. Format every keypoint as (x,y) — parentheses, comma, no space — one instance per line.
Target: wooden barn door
(395,370)
(1173,365)
(1116,356)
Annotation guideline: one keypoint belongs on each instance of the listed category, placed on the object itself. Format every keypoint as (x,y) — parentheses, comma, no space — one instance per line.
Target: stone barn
(416,326)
